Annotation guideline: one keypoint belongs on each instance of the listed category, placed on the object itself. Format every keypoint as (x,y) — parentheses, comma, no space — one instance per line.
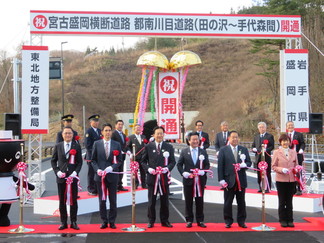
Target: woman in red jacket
(283,163)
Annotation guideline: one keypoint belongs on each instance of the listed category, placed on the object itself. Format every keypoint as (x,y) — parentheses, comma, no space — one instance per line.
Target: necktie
(235,153)
(139,139)
(194,155)
(67,149)
(107,149)
(159,148)
(122,137)
(224,136)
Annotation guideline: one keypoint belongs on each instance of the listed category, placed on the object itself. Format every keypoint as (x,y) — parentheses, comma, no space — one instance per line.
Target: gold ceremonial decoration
(184,58)
(153,58)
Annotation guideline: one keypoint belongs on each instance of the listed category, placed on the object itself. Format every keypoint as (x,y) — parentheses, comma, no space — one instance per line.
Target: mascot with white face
(9,158)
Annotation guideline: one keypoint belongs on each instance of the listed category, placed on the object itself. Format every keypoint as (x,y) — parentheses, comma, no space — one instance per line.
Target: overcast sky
(15,14)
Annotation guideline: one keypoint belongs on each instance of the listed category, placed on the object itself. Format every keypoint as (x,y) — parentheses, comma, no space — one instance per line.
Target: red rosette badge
(115,153)
(265,142)
(77,138)
(127,139)
(202,142)
(295,142)
(145,140)
(72,153)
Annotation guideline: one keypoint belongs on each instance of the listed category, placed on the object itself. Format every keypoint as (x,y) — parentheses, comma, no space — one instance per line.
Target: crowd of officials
(107,147)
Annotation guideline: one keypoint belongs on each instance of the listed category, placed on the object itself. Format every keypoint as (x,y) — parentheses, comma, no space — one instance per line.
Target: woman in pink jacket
(283,163)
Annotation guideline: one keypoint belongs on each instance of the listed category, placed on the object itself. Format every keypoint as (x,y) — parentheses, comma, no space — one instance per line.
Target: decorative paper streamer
(22,167)
(138,101)
(134,166)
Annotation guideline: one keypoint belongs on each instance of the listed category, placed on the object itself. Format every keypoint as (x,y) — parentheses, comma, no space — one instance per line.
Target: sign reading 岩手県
(168,104)
(35,94)
(294,90)
(164,24)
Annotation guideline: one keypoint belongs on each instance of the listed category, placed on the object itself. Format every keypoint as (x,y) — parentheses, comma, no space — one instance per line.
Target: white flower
(201,157)
(242,157)
(166,154)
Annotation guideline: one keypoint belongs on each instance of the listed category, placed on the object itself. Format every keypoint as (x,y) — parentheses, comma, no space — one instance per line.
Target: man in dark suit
(93,134)
(221,139)
(228,158)
(66,163)
(104,164)
(202,135)
(66,122)
(154,163)
(266,139)
(192,158)
(139,141)
(120,137)
(296,142)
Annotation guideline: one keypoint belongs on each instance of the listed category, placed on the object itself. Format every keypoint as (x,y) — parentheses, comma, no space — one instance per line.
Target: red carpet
(313,224)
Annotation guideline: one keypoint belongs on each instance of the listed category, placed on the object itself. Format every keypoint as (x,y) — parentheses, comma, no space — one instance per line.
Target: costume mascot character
(9,158)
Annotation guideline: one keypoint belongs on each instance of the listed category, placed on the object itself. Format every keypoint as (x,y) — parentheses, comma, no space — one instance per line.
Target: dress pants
(92,187)
(199,201)
(164,205)
(286,191)
(241,207)
(112,196)
(62,201)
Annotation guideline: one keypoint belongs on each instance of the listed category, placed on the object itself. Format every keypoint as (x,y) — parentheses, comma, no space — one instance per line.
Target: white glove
(60,174)
(165,170)
(254,150)
(131,156)
(301,151)
(223,183)
(109,169)
(151,171)
(201,172)
(74,174)
(285,170)
(128,153)
(217,153)
(186,174)
(99,172)
(243,165)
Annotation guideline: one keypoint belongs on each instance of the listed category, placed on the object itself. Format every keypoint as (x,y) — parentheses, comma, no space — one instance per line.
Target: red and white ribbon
(21,167)
(236,170)
(263,166)
(158,181)
(265,142)
(68,190)
(300,176)
(115,153)
(103,185)
(134,166)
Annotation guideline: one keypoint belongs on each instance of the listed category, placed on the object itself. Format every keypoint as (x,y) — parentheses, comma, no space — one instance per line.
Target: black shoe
(189,224)
(283,224)
(298,193)
(290,224)
(103,226)
(112,225)
(267,191)
(167,224)
(227,226)
(74,226)
(202,225)
(144,186)
(150,225)
(78,196)
(122,189)
(171,193)
(63,226)
(92,194)
(243,225)
(259,190)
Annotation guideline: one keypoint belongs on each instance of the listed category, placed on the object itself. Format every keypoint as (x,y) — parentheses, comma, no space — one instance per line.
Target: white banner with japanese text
(168,104)
(35,90)
(294,90)
(164,24)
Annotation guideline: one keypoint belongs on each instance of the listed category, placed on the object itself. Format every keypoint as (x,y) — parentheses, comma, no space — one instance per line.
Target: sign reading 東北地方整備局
(164,24)
(35,90)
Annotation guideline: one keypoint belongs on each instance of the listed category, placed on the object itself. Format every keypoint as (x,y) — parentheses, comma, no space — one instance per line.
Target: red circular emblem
(40,22)
(169,84)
